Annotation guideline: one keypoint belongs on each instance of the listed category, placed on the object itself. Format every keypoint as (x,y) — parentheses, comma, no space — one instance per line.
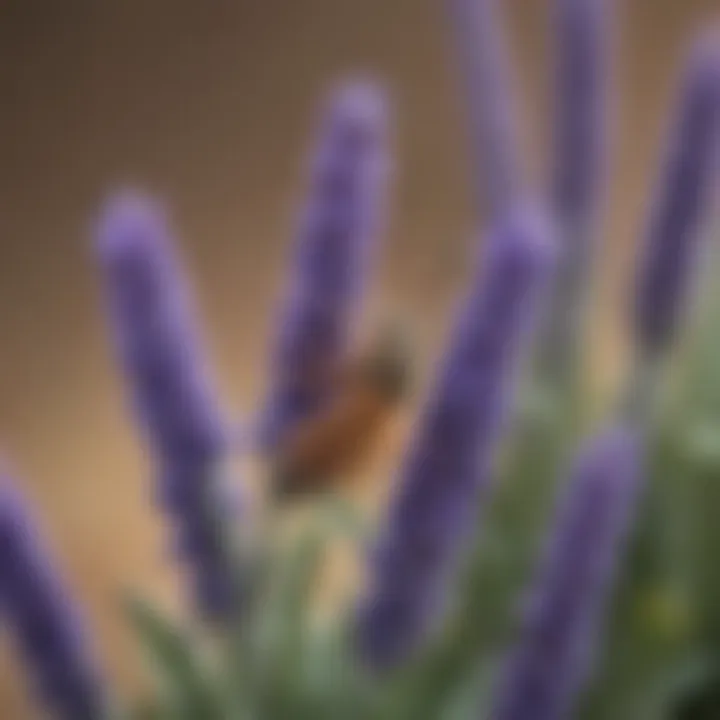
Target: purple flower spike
(552,660)
(487,76)
(580,135)
(451,458)
(332,256)
(577,185)
(683,197)
(155,333)
(160,354)
(43,620)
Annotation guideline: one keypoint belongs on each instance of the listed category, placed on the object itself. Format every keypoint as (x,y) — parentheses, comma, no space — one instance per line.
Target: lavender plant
(450,462)
(479,601)
(160,355)
(332,256)
(44,620)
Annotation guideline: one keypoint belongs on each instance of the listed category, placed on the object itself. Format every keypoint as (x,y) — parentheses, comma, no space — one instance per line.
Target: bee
(331,444)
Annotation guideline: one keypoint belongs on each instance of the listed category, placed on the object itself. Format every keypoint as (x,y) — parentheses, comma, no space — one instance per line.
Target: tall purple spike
(486,74)
(578,167)
(681,203)
(552,661)
(158,347)
(580,138)
(155,332)
(43,621)
(450,460)
(332,256)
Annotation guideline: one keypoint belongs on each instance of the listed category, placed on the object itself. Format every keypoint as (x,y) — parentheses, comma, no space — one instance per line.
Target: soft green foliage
(183,685)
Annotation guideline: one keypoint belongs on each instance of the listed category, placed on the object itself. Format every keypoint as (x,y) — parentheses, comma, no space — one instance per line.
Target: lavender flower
(683,196)
(159,351)
(331,257)
(43,620)
(450,460)
(552,660)
(580,132)
(155,333)
(486,72)
(578,172)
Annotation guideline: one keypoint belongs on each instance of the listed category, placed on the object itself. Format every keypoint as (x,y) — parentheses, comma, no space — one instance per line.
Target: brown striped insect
(329,446)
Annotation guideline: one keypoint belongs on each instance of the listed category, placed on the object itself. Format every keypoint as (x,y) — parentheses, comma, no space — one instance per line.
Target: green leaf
(285,650)
(182,679)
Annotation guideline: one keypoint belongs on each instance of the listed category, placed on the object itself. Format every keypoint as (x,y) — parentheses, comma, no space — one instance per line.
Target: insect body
(332,443)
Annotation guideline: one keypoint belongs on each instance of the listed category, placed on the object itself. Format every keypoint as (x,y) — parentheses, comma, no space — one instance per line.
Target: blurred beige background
(210,104)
